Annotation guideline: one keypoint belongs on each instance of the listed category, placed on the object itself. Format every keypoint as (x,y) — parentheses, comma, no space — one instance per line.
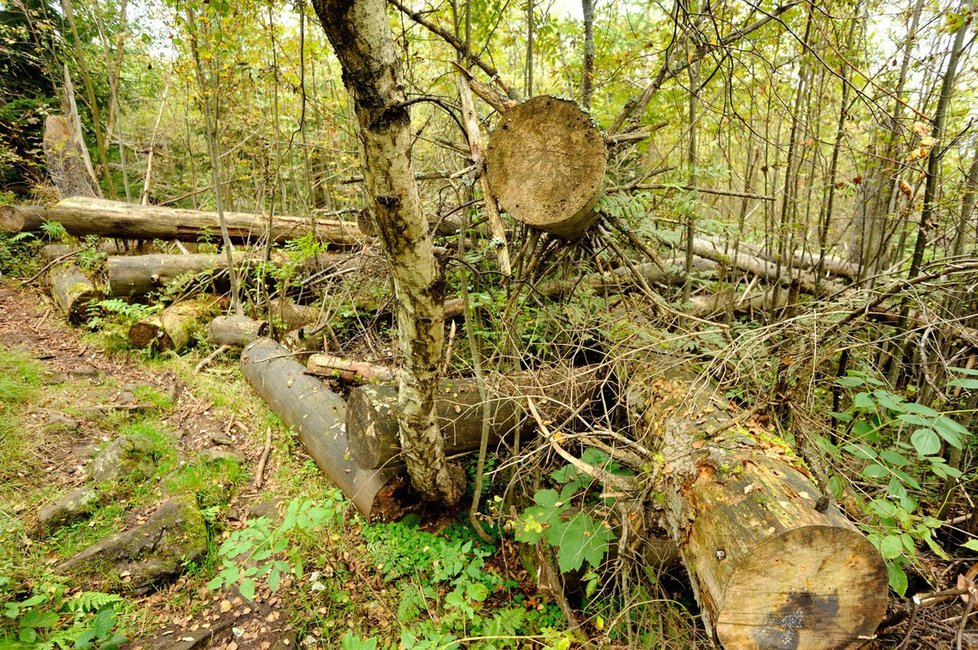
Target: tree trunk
(236,331)
(771,566)
(137,275)
(927,222)
(174,327)
(587,60)
(73,292)
(372,429)
(65,160)
(318,415)
(86,216)
(361,37)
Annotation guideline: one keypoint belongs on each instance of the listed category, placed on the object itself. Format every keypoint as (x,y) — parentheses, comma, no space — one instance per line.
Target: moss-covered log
(318,415)
(773,565)
(73,292)
(88,216)
(174,327)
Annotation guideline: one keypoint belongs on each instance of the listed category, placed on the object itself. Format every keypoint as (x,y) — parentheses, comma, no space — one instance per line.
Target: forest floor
(65,393)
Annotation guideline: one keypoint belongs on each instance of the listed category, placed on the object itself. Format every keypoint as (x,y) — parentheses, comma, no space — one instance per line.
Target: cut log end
(816,587)
(10,219)
(545,163)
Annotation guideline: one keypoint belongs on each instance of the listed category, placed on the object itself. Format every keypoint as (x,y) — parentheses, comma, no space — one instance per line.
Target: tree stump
(545,164)
(174,327)
(73,292)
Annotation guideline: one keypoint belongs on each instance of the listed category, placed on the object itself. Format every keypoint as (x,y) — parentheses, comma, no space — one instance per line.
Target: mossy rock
(131,457)
(75,505)
(154,552)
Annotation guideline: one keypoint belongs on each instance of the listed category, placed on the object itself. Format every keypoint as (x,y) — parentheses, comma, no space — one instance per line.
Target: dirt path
(29,323)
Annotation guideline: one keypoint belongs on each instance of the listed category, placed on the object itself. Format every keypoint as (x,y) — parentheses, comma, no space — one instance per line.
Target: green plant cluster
(577,536)
(900,446)
(49,619)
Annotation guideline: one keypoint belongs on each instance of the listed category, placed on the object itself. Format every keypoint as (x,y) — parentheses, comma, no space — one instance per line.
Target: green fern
(91,601)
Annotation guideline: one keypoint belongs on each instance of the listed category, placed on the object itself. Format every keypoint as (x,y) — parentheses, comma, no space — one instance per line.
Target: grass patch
(20,375)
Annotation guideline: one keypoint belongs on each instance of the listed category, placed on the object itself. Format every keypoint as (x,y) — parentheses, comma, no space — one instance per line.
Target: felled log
(88,216)
(54,252)
(236,331)
(763,268)
(545,163)
(137,275)
(318,415)
(292,315)
(371,419)
(73,292)
(772,565)
(348,370)
(174,327)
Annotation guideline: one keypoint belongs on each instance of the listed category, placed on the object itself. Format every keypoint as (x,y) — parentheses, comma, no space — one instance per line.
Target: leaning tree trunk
(772,563)
(361,37)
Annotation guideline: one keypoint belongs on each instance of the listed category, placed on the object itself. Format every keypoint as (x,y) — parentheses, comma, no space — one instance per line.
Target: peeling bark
(372,72)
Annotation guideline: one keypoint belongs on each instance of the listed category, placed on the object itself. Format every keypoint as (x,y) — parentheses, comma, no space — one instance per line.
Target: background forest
(788,209)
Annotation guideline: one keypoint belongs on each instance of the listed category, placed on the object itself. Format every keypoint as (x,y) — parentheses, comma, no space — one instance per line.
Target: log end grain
(545,164)
(816,587)
(149,332)
(10,219)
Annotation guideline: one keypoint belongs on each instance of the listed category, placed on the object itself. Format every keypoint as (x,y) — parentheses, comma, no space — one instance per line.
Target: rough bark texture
(174,327)
(236,331)
(545,164)
(350,371)
(372,411)
(87,216)
(137,275)
(770,569)
(318,415)
(66,164)
(73,292)
(361,37)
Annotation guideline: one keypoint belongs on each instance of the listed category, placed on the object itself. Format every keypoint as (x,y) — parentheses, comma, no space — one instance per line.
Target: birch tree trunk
(372,72)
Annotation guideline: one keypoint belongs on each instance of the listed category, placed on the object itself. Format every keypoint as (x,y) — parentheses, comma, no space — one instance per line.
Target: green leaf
(893,458)
(890,401)
(951,431)
(971,545)
(476,591)
(861,451)
(584,539)
(966,383)
(247,589)
(863,401)
(37,618)
(850,381)
(926,442)
(875,470)
(897,578)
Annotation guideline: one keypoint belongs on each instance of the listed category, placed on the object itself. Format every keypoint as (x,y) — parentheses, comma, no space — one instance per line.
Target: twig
(910,623)
(210,357)
(60,258)
(260,472)
(614,481)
